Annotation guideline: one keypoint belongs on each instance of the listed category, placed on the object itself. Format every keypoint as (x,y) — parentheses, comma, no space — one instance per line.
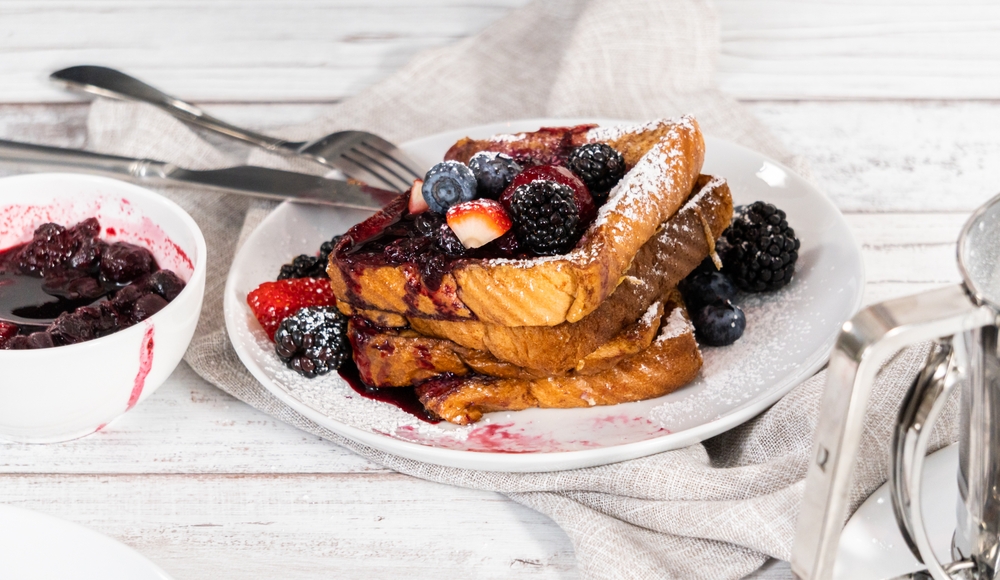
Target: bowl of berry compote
(101,286)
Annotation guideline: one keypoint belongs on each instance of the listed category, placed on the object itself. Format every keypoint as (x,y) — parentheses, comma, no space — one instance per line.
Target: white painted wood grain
(188,427)
(894,155)
(301,50)
(792,49)
(220,527)
(261,50)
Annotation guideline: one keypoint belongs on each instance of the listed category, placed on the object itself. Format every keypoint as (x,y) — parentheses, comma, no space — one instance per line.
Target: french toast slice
(663,159)
(671,361)
(682,242)
(390,357)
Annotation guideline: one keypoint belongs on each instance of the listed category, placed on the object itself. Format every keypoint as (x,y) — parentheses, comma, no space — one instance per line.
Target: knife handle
(29,154)
(108,82)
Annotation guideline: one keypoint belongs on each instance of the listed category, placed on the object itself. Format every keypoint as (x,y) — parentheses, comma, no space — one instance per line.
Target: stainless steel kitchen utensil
(359,154)
(246,179)
(963,323)
(23,308)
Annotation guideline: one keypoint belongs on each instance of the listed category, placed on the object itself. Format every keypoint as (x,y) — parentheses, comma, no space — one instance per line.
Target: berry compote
(394,237)
(67,285)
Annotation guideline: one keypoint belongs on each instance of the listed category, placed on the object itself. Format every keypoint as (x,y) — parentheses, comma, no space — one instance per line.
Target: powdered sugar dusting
(332,396)
(641,188)
(732,375)
(616,132)
(677,325)
(650,315)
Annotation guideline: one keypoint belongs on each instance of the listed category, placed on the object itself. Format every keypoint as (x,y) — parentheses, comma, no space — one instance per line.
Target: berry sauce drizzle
(395,237)
(403,397)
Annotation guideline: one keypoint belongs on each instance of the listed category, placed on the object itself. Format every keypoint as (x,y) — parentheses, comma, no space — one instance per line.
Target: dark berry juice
(67,285)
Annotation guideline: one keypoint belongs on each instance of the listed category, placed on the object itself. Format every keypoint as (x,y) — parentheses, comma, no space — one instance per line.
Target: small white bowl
(66,392)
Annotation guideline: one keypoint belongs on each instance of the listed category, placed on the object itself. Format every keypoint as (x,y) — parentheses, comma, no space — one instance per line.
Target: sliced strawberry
(7,332)
(272,302)
(478,222)
(417,202)
(559,174)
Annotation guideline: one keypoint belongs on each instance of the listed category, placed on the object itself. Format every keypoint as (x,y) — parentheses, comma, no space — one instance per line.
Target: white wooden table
(207,487)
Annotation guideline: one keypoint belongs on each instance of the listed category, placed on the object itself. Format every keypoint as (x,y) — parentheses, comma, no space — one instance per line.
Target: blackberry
(760,249)
(494,172)
(600,166)
(304,266)
(720,323)
(545,217)
(448,183)
(313,341)
(54,247)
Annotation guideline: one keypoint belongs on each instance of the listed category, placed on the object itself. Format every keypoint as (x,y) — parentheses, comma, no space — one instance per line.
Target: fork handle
(108,82)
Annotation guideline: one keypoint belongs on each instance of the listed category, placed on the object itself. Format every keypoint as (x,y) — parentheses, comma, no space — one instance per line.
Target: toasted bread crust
(671,361)
(678,248)
(388,357)
(547,291)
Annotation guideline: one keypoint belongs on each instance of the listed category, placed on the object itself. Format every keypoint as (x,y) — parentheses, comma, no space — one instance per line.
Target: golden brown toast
(554,144)
(390,357)
(680,245)
(663,160)
(670,361)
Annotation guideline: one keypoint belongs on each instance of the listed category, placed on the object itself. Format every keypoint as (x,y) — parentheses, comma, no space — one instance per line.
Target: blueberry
(719,323)
(707,286)
(448,183)
(493,172)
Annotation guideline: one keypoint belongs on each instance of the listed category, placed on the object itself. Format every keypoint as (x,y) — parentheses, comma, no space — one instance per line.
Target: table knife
(245,179)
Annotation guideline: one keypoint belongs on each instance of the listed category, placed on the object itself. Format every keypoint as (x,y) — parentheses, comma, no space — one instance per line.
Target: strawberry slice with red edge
(478,222)
(272,302)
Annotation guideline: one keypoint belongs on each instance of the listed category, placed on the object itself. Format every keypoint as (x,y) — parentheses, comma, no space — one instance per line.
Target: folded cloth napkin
(715,510)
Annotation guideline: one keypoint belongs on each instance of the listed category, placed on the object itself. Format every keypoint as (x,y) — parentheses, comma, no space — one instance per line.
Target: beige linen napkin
(716,510)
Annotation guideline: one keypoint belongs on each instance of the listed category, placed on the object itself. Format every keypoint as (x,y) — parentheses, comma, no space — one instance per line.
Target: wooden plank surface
(307,50)
(305,526)
(259,50)
(794,49)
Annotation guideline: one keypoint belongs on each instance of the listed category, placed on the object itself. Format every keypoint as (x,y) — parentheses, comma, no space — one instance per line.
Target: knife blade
(244,179)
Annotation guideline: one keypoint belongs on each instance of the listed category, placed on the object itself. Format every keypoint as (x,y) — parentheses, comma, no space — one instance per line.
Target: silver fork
(361,155)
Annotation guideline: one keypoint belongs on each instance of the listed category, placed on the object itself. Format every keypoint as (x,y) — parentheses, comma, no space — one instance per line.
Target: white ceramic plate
(789,335)
(35,546)
(871,547)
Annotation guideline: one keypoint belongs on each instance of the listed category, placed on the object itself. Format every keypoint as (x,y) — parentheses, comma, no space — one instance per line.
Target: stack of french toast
(500,326)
